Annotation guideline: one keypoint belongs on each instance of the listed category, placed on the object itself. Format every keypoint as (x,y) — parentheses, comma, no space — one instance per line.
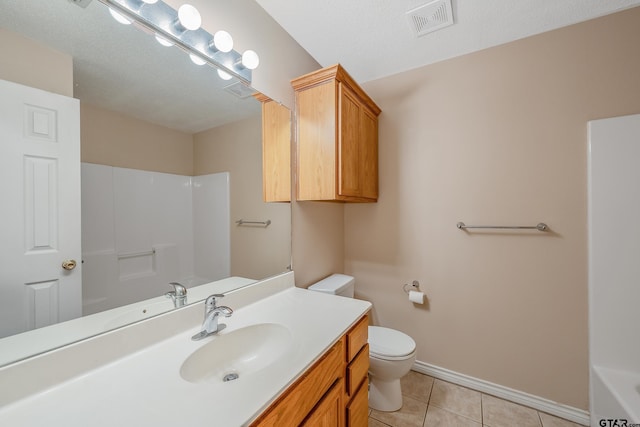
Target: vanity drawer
(357,337)
(357,370)
(358,409)
(300,398)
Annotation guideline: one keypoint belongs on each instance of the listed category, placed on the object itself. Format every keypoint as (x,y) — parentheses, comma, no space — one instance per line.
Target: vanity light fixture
(250,60)
(120,18)
(188,17)
(223,75)
(222,42)
(182,28)
(197,60)
(163,41)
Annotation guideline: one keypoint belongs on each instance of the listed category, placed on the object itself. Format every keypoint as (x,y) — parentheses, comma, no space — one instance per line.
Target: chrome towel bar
(540,226)
(136,254)
(264,223)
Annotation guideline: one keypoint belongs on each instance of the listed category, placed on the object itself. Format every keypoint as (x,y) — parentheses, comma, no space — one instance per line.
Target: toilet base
(385,396)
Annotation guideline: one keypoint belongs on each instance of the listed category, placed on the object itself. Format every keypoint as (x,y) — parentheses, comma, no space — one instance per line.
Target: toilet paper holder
(413,286)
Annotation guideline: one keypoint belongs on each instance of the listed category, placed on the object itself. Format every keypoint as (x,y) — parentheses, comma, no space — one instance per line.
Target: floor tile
(501,413)
(456,399)
(417,385)
(376,423)
(429,402)
(437,417)
(410,415)
(551,421)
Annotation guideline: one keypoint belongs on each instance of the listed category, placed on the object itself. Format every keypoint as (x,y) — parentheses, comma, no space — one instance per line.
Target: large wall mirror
(170,163)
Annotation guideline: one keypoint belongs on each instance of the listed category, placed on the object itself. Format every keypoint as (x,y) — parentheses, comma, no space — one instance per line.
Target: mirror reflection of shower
(142,229)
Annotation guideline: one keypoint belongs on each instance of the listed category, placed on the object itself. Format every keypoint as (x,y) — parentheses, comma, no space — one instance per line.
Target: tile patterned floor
(429,402)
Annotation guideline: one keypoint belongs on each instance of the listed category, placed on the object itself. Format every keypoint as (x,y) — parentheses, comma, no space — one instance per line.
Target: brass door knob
(69,264)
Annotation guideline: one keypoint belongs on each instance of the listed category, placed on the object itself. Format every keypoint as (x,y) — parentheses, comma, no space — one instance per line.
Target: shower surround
(142,230)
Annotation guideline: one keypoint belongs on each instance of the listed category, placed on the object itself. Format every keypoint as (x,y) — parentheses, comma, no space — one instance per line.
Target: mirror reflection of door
(40,230)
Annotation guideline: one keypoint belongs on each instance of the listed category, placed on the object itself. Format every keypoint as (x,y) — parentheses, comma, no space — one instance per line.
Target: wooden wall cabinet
(276,151)
(332,393)
(337,138)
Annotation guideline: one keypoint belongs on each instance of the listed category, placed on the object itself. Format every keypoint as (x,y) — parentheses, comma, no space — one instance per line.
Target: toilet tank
(337,284)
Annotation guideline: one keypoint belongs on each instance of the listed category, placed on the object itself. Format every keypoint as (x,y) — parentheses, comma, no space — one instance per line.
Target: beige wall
(317,241)
(494,137)
(30,63)
(113,139)
(256,252)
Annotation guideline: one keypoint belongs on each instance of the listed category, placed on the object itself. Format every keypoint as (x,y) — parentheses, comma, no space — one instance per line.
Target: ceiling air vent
(430,17)
(240,90)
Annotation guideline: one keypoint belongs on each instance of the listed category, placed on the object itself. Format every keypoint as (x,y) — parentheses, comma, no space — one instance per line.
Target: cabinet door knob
(69,264)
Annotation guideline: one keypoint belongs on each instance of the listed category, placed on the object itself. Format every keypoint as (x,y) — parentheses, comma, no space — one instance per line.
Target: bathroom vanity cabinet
(337,138)
(276,150)
(333,392)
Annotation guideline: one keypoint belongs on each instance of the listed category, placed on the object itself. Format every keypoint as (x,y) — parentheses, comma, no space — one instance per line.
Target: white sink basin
(236,354)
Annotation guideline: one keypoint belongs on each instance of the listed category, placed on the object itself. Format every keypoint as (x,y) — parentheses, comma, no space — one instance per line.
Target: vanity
(286,357)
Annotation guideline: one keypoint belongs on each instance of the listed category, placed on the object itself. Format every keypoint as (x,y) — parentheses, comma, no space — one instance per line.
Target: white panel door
(40,209)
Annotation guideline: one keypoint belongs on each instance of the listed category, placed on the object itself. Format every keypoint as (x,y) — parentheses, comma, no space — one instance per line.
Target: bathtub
(616,395)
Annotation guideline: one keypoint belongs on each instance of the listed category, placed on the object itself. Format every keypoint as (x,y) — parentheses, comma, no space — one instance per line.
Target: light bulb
(163,41)
(223,41)
(196,59)
(224,75)
(250,59)
(189,17)
(119,17)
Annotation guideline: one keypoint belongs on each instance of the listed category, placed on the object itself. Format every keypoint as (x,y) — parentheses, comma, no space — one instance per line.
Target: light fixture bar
(159,18)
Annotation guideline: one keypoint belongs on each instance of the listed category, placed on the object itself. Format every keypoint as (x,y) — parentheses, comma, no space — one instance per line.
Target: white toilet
(391,352)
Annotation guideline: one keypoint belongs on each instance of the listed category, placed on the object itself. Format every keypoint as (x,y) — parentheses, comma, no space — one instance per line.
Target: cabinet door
(329,412)
(316,118)
(349,168)
(276,152)
(369,154)
(300,399)
(358,149)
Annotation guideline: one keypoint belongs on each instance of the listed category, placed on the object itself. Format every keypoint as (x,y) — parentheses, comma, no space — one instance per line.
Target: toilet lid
(389,342)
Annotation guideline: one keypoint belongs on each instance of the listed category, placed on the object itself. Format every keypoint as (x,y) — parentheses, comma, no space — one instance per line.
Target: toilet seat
(390,344)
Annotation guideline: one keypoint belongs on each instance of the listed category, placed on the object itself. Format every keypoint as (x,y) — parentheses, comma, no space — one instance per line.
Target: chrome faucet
(178,295)
(211,313)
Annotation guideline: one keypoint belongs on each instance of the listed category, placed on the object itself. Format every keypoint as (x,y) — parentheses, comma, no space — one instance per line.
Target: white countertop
(145,388)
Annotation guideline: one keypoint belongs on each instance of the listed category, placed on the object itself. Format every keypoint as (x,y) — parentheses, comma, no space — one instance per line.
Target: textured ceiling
(373,39)
(121,68)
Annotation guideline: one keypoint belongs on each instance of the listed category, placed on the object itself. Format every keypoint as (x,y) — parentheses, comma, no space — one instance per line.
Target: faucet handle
(211,301)
(178,289)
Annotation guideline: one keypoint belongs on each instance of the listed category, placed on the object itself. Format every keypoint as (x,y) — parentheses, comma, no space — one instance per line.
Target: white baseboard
(544,405)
